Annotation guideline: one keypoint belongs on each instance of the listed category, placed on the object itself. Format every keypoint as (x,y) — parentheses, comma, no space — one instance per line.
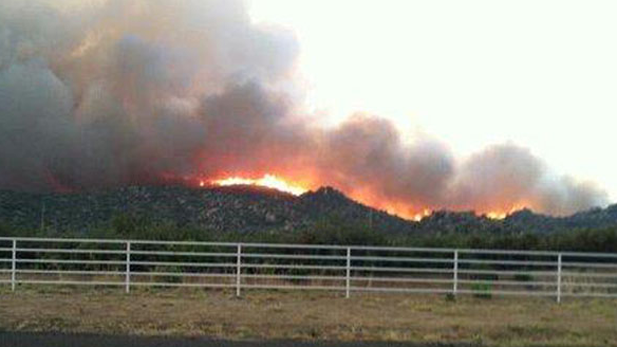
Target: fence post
(455,279)
(127,281)
(239,270)
(348,274)
(14,265)
(559,278)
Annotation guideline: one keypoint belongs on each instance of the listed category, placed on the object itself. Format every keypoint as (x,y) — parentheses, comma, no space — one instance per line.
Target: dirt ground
(312,316)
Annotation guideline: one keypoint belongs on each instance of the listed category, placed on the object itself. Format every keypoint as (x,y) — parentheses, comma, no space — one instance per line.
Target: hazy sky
(542,74)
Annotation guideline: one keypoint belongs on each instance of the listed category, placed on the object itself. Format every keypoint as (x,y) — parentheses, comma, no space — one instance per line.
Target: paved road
(61,340)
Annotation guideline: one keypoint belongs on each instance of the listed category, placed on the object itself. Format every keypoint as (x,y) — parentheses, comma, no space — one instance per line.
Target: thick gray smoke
(105,93)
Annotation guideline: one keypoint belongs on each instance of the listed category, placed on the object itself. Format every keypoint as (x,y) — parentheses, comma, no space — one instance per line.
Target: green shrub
(170,278)
(482,290)
(523,278)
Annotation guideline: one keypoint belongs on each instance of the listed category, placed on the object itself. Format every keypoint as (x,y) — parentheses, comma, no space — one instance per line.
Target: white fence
(243,266)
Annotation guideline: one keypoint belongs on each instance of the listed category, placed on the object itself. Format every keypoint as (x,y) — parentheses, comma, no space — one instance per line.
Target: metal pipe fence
(346,269)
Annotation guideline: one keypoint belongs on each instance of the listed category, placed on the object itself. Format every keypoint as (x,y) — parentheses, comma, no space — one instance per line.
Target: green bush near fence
(482,290)
(336,231)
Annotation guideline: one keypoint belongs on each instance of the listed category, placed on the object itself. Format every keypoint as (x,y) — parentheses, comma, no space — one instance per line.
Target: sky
(539,74)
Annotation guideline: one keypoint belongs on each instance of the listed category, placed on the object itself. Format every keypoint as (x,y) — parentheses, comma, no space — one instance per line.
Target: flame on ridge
(268,180)
(274,182)
(504,214)
(419,216)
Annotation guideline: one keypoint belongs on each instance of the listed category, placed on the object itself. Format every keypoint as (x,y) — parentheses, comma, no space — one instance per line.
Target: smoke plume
(106,93)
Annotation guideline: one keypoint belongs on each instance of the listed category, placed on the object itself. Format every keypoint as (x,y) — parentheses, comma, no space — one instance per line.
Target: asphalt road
(8,339)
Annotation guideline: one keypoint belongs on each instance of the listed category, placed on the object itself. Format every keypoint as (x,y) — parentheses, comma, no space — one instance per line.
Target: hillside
(235,208)
(253,209)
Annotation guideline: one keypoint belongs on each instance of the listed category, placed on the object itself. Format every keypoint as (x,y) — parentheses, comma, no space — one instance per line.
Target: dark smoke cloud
(367,152)
(105,93)
(117,92)
(252,131)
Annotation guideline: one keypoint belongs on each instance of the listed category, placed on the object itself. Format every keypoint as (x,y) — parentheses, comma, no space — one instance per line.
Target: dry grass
(311,315)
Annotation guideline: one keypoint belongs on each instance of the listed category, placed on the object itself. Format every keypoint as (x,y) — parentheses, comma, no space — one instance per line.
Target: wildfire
(275,182)
(269,181)
(503,214)
(496,215)
(419,216)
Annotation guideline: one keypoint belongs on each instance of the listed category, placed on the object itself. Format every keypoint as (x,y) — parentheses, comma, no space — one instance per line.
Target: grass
(312,316)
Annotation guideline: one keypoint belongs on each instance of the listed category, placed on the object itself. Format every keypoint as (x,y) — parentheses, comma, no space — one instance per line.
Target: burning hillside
(250,208)
(108,94)
(268,181)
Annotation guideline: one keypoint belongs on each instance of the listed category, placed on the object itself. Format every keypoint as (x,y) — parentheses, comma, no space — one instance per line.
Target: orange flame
(504,214)
(269,181)
(300,187)
(496,215)
(419,216)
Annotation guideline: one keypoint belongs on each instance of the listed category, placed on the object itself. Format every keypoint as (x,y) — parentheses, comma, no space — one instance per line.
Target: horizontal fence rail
(347,269)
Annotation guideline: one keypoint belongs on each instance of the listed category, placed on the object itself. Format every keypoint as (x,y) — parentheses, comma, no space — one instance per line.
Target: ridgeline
(249,209)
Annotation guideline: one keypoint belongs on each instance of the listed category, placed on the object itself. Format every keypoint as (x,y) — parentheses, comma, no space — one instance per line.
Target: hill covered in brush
(233,209)
(254,209)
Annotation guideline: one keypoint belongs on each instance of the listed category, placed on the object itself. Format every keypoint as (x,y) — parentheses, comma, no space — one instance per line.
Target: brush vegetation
(337,231)
(242,212)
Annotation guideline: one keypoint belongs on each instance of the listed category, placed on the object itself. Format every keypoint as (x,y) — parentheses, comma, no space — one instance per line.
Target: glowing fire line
(419,216)
(269,181)
(504,214)
(274,182)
